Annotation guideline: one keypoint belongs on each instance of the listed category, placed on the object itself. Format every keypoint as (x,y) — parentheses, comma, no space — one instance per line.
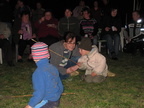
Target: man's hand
(20,31)
(128,39)
(34,36)
(93,74)
(28,106)
(71,69)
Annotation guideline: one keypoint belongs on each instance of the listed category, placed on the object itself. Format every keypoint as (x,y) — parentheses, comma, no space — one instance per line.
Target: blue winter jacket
(46,83)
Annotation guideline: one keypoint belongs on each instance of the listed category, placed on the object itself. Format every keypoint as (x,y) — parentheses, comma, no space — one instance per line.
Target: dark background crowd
(47,21)
(58,6)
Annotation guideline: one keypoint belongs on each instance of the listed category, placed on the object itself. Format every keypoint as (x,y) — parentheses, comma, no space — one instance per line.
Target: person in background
(106,7)
(134,28)
(23,34)
(45,79)
(6,14)
(96,12)
(20,8)
(94,63)
(38,12)
(110,31)
(47,28)
(88,26)
(69,23)
(77,11)
(63,53)
(5,32)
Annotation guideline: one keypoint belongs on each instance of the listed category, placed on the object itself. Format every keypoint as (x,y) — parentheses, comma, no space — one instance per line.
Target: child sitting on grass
(46,81)
(92,62)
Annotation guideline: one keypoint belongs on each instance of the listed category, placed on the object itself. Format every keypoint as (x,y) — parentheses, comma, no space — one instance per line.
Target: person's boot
(10,63)
(20,58)
(114,56)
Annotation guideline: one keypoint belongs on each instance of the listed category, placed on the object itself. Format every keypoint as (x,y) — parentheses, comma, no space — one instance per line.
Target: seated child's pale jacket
(94,62)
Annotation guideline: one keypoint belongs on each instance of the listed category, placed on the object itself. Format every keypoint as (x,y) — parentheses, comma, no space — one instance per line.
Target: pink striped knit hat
(40,51)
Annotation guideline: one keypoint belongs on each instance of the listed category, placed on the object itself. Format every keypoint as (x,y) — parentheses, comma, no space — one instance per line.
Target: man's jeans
(70,63)
(113,42)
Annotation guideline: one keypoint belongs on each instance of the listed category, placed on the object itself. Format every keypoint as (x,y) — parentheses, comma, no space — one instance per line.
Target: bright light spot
(139,21)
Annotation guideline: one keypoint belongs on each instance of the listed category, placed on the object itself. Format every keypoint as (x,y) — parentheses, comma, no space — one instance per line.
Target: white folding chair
(99,44)
(122,38)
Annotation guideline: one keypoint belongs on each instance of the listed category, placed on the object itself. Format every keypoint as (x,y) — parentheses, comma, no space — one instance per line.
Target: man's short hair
(25,13)
(69,35)
(86,9)
(137,11)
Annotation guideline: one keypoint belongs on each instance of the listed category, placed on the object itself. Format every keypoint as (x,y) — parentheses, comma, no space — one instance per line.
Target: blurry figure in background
(38,12)
(106,7)
(88,26)
(94,63)
(110,30)
(77,11)
(46,81)
(20,8)
(135,28)
(69,23)
(5,32)
(63,53)
(6,14)
(47,28)
(96,12)
(22,34)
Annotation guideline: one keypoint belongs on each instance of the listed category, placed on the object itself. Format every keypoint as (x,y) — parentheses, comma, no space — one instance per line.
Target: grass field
(125,90)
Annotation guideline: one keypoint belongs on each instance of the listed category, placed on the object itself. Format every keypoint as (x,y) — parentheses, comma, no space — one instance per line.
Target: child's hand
(69,70)
(79,64)
(28,106)
(93,74)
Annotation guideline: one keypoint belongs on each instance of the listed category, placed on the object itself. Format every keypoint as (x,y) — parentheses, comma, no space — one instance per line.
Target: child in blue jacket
(46,81)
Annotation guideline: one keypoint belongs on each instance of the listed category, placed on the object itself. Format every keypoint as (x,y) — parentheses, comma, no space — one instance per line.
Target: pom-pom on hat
(40,51)
(85,44)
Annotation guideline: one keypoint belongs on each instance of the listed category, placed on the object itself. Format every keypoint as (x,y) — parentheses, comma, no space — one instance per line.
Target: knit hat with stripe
(40,51)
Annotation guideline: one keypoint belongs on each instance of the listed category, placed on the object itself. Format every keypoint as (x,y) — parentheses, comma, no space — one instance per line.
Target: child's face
(82,52)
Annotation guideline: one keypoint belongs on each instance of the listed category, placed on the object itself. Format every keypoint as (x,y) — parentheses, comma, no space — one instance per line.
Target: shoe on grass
(75,73)
(110,74)
(20,60)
